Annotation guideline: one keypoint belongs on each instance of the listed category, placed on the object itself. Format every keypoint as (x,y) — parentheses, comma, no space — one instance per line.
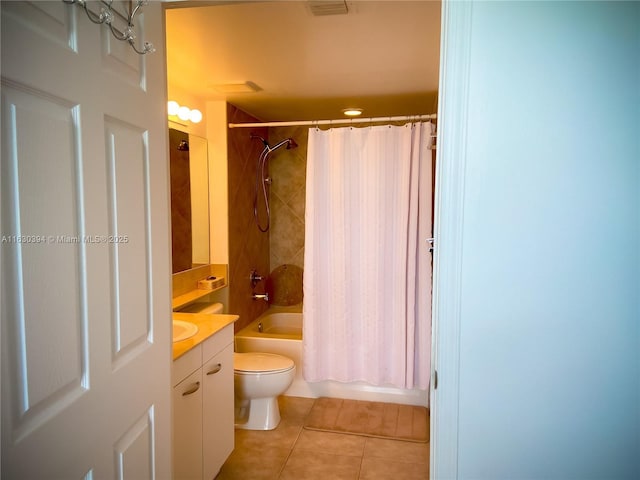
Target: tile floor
(292,453)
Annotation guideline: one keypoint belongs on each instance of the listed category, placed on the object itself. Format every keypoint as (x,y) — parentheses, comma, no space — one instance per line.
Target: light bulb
(195,116)
(183,113)
(172,107)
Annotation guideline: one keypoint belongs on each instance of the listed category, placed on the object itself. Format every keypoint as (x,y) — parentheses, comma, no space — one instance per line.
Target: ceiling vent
(328,7)
(245,87)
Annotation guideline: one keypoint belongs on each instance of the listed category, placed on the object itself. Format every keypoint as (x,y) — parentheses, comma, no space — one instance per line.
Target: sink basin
(183,330)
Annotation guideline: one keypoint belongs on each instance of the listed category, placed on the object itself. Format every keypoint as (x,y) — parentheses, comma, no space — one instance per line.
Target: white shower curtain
(367,277)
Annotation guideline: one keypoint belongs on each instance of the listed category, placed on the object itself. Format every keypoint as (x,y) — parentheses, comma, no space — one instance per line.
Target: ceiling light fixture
(352,112)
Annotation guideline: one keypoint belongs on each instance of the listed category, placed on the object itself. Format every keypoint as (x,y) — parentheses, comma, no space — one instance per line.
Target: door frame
(451,156)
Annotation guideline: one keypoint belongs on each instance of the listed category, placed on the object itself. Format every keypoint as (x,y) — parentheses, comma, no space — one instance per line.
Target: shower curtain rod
(348,121)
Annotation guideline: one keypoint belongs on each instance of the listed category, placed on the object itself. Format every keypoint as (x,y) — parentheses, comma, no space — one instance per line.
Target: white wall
(217,126)
(549,365)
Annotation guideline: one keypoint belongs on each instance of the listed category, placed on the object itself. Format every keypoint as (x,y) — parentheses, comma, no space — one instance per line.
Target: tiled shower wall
(248,247)
(284,243)
(287,169)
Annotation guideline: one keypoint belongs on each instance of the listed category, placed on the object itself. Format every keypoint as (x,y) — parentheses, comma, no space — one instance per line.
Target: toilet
(258,379)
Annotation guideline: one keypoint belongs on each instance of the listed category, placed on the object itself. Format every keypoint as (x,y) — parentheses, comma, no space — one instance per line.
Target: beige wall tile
(248,247)
(288,169)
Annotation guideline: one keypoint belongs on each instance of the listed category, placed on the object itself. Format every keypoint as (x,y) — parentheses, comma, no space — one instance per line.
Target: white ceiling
(382,56)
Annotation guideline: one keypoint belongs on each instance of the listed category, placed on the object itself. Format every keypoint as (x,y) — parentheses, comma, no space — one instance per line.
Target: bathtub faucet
(260,296)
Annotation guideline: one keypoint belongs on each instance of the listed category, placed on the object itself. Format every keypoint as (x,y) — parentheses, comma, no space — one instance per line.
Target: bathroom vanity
(202,381)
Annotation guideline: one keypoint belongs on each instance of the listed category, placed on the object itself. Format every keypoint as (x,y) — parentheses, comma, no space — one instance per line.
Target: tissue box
(211,283)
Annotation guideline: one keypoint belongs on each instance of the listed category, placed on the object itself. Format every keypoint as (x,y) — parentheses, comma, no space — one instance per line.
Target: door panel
(128,190)
(51,21)
(135,449)
(43,197)
(86,349)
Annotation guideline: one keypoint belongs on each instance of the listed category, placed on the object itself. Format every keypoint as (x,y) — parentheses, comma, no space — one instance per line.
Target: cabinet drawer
(216,343)
(186,364)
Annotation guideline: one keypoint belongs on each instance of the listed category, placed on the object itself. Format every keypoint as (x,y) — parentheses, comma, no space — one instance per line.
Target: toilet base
(257,414)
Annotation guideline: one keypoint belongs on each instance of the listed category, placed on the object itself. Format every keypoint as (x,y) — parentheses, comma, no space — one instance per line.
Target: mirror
(189,200)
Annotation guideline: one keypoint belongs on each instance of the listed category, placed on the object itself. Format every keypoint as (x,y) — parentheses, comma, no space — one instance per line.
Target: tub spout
(261,296)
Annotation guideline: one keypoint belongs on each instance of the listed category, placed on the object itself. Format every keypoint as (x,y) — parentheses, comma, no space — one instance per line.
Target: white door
(85,247)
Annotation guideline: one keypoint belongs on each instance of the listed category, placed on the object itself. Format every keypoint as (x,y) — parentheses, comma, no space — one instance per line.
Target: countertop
(208,325)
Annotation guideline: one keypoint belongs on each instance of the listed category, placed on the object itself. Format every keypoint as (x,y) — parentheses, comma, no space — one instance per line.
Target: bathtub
(279,330)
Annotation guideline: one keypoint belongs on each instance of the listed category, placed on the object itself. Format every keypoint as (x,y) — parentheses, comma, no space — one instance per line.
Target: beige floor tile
(385,469)
(332,443)
(284,436)
(258,464)
(397,450)
(294,410)
(292,453)
(320,466)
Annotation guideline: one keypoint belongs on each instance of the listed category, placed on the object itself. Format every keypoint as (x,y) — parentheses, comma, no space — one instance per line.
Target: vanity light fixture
(352,112)
(183,113)
(195,116)
(174,109)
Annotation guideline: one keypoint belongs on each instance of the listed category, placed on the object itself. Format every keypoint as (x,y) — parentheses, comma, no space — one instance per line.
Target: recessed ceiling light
(352,112)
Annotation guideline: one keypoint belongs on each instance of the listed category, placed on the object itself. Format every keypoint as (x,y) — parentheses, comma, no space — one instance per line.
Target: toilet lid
(255,362)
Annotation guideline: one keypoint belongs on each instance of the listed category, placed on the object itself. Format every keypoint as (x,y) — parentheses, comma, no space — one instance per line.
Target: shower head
(292,144)
(289,142)
(252,136)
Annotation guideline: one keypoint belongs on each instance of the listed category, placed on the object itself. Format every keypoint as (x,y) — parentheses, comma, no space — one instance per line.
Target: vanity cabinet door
(217,411)
(187,428)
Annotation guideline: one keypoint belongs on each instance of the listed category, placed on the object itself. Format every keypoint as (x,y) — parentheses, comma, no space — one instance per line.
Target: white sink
(183,330)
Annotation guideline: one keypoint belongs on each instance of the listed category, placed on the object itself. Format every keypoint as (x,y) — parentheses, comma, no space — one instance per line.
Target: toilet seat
(258,362)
